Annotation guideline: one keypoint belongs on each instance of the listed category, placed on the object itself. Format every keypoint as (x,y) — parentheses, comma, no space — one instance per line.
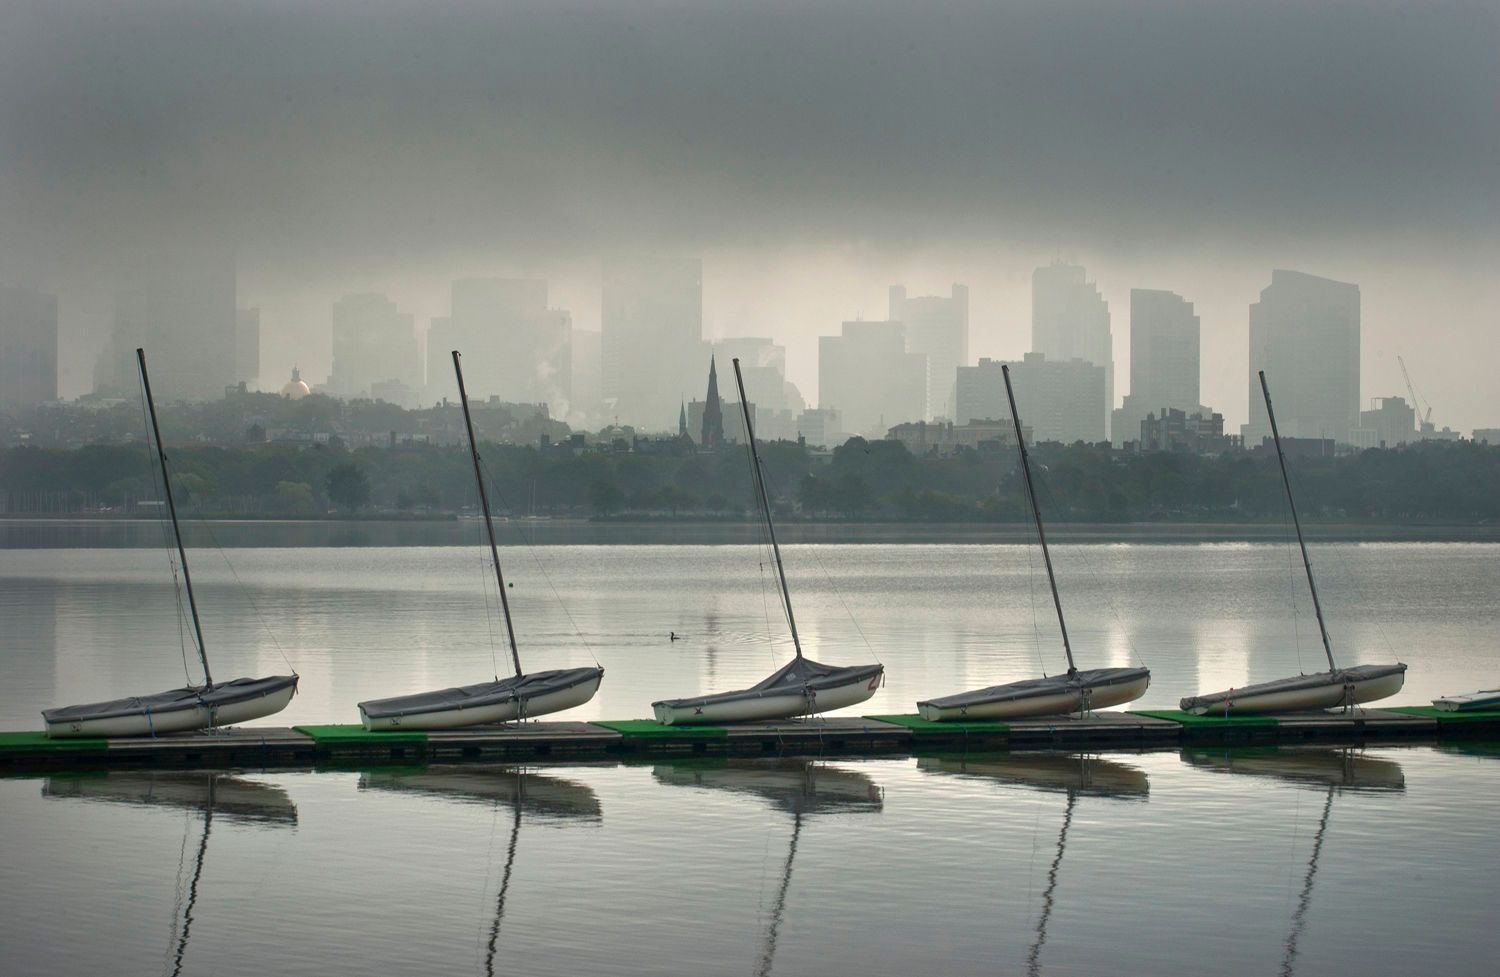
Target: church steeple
(713,412)
(682,421)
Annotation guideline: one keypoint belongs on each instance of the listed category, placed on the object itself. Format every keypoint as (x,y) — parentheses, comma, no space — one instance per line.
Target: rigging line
(166,542)
(1033,957)
(839,594)
(510,863)
(489,861)
(1304,901)
(1291,582)
(177,893)
(192,898)
(224,555)
(1036,625)
(489,610)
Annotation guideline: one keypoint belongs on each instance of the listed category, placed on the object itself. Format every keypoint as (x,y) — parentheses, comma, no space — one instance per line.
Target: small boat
(1337,687)
(801,687)
(1486,699)
(176,710)
(1050,695)
(518,697)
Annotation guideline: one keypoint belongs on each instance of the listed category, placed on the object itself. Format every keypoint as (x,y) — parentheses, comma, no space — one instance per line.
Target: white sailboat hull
(768,707)
(1053,704)
(501,712)
(177,720)
(1327,695)
(1489,699)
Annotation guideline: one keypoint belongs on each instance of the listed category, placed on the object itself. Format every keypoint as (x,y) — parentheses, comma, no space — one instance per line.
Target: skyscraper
(247,346)
(1058,401)
(1304,332)
(1070,320)
(373,343)
(938,328)
(867,374)
(517,348)
(652,337)
(1164,360)
(28,348)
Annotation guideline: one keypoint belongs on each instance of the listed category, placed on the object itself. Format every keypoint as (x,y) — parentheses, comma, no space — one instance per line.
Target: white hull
(1328,696)
(503,712)
(1489,699)
(768,707)
(177,720)
(1100,697)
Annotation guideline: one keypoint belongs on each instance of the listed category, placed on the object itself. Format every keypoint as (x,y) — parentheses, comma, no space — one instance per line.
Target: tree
(348,486)
(294,497)
(605,496)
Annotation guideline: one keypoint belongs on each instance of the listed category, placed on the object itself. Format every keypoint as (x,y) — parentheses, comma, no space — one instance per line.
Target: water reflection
(1337,770)
(798,786)
(542,797)
(233,799)
(1075,775)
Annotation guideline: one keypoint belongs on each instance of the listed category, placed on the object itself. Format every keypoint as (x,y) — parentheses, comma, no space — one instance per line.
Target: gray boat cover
(1035,687)
(1358,673)
(191,697)
(799,674)
(528,686)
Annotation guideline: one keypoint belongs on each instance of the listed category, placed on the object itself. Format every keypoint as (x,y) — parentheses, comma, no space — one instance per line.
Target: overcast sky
(813,153)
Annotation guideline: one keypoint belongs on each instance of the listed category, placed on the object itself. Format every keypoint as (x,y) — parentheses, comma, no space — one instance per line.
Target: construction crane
(1424,419)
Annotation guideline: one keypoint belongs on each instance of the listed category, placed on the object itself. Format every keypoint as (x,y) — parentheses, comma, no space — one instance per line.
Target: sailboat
(1095,688)
(191,707)
(1321,690)
(799,688)
(522,696)
(1471,701)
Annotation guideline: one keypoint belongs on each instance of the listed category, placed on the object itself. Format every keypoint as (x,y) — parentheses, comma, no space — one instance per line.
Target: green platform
(1188,719)
(1491,716)
(652,730)
(41,743)
(926,727)
(337,735)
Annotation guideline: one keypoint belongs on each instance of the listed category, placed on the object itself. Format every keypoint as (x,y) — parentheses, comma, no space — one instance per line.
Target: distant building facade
(945,437)
(763,364)
(1487,435)
(1060,401)
(1305,333)
(1389,423)
(513,345)
(938,328)
(374,343)
(1165,361)
(652,346)
(28,348)
(1171,429)
(247,346)
(867,374)
(1070,320)
(821,427)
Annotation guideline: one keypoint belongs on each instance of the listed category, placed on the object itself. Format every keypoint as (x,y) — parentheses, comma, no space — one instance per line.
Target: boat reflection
(542,797)
(231,798)
(1074,775)
(1338,771)
(799,786)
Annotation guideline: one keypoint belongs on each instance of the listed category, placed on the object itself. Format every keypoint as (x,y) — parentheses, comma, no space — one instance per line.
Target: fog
(811,153)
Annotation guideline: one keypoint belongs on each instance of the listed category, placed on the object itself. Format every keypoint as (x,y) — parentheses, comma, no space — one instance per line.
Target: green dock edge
(39,742)
(926,727)
(1188,719)
(650,729)
(1444,717)
(357,734)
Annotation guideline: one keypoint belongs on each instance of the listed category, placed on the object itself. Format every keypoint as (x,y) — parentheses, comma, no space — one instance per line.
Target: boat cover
(1342,676)
(1036,687)
(191,697)
(802,674)
(529,686)
(1487,699)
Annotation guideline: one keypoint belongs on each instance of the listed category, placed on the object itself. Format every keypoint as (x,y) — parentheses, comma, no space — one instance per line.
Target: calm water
(1374,862)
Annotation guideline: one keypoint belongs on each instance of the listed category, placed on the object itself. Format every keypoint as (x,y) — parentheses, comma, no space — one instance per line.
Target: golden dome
(296,388)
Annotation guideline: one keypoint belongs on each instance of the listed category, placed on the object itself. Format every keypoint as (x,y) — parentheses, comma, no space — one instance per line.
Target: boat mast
(765,505)
(166,484)
(1037,514)
(1287,482)
(484,502)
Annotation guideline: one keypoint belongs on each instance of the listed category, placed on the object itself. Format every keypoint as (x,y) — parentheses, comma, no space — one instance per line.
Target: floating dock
(304,747)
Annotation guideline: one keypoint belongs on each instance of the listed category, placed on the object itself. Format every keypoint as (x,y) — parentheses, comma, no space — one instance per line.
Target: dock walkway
(305,747)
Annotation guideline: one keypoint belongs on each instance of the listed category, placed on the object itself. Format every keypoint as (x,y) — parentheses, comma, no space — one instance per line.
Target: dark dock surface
(268,747)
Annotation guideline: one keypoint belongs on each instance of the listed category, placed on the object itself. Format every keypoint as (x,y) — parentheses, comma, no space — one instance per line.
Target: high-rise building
(763,366)
(179,305)
(1070,320)
(1389,422)
(588,366)
(28,348)
(514,346)
(374,342)
(651,338)
(938,328)
(247,346)
(867,374)
(1164,361)
(1304,332)
(1059,401)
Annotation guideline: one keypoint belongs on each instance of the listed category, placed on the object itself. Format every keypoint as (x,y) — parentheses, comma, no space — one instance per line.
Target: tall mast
(1036,512)
(166,484)
(765,505)
(484,502)
(1287,482)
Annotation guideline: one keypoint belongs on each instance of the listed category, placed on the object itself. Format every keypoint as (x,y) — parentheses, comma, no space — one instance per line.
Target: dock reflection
(1073,775)
(208,793)
(798,786)
(1336,771)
